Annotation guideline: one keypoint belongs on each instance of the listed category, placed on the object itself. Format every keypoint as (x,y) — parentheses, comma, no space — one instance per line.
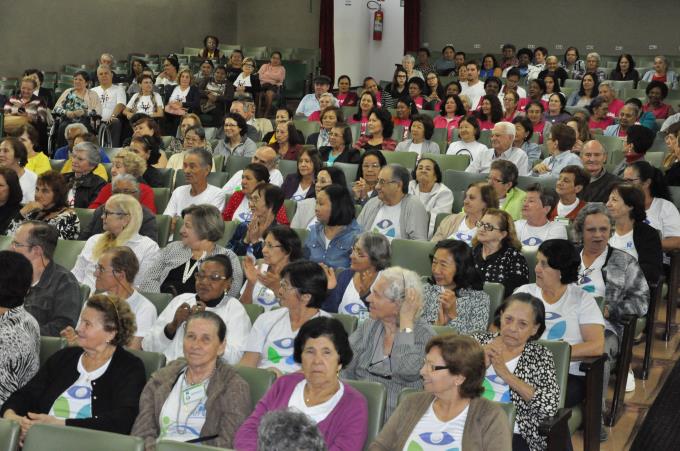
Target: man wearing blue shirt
(310,102)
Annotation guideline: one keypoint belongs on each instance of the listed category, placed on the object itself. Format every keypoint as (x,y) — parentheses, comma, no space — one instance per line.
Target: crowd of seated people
(314,237)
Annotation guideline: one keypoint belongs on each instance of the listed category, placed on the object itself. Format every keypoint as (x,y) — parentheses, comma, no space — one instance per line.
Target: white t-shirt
(624,242)
(464,233)
(27,183)
(76,401)
(590,279)
(663,216)
(351,303)
(262,295)
(234,183)
(183,413)
(564,210)
(181,198)
(431,433)
(242,82)
(300,194)
(179,94)
(243,212)
(472,149)
(319,412)
(387,222)
(145,105)
(110,98)
(417,148)
(272,337)
(564,318)
(532,237)
(229,309)
(474,92)
(145,313)
(496,389)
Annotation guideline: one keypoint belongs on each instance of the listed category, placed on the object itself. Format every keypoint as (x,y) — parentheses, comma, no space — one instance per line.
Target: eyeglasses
(100,269)
(385,182)
(431,368)
(200,275)
(16,244)
(631,180)
(358,252)
(230,125)
(486,226)
(286,286)
(113,213)
(370,166)
(271,246)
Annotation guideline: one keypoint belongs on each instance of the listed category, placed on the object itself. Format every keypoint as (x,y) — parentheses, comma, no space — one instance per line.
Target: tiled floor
(664,356)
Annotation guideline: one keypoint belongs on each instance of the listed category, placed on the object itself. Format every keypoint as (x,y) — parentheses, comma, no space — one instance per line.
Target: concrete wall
(279,23)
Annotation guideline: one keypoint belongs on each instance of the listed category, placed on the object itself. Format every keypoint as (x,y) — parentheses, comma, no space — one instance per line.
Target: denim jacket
(337,253)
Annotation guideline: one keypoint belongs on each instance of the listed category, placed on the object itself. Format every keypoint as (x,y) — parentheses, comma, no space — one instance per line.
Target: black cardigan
(86,188)
(290,185)
(648,246)
(115,395)
(193,103)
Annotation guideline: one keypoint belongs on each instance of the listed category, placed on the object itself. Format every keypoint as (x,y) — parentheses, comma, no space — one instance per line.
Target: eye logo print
(493,386)
(555,328)
(532,241)
(383,227)
(281,351)
(245,216)
(429,440)
(353,308)
(298,197)
(462,236)
(62,407)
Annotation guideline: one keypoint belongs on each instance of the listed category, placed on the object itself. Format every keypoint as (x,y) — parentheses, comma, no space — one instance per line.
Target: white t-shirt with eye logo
(387,221)
(433,434)
(464,233)
(531,237)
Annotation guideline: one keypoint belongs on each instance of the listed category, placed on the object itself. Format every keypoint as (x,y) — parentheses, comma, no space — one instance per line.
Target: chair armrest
(556,430)
(592,405)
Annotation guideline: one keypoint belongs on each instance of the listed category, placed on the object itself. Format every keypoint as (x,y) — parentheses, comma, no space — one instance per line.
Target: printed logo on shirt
(298,197)
(496,389)
(146,107)
(62,406)
(428,440)
(384,227)
(532,241)
(266,298)
(646,221)
(462,236)
(354,309)
(282,351)
(556,329)
(583,283)
(245,216)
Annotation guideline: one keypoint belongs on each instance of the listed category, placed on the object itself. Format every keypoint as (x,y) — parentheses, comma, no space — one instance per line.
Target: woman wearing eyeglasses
(389,345)
(367,176)
(302,289)
(122,219)
(450,413)
(496,251)
(213,284)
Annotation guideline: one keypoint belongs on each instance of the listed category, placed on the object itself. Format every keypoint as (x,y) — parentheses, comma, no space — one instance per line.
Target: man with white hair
(593,67)
(502,137)
(113,101)
(593,157)
(265,156)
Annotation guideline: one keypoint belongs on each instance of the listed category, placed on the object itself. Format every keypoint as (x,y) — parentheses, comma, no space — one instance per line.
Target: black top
(560,74)
(673,174)
(650,254)
(86,188)
(173,282)
(349,155)
(507,266)
(291,184)
(598,191)
(153,177)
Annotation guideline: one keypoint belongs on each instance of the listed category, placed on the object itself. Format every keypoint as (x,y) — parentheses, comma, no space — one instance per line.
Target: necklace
(189,270)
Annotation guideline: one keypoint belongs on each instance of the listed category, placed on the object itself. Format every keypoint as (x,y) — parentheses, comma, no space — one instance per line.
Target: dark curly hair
(563,257)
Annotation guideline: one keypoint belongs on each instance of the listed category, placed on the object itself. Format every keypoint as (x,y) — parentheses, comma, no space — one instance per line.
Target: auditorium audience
(378,132)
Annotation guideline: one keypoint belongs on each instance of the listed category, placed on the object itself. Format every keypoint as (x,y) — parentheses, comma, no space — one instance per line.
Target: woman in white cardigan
(422,129)
(428,188)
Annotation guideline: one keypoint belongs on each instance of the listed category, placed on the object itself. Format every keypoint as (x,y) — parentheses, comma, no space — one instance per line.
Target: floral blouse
(73,102)
(66,223)
(472,307)
(507,266)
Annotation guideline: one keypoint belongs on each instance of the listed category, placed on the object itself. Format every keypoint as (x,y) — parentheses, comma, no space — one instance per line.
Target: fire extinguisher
(378,21)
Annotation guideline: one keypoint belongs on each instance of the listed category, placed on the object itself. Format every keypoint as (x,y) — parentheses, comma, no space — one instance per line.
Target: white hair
(594,55)
(409,58)
(506,128)
(399,280)
(77,125)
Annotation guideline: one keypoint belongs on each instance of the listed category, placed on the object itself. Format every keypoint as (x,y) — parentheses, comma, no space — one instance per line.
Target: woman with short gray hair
(174,265)
(283,430)
(84,184)
(389,346)
(408,62)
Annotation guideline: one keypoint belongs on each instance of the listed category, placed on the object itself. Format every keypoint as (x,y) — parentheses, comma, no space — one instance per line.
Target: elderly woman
(173,267)
(25,107)
(84,184)
(94,385)
(671,162)
(146,101)
(426,185)
(75,104)
(19,330)
(325,100)
(451,110)
(469,132)
(223,399)
(556,112)
(370,255)
(301,292)
(210,48)
(194,139)
(248,80)
(450,413)
(330,239)
(586,92)
(599,114)
(289,429)
(339,148)
(10,199)
(572,315)
(51,206)
(288,141)
(657,92)
(496,251)
(178,143)
(370,164)
(13,156)
(345,96)
(170,74)
(122,220)
(236,141)
(454,295)
(632,234)
(422,129)
(300,185)
(272,75)
(265,201)
(321,349)
(305,214)
(524,130)
(378,132)
(661,73)
(328,117)
(520,370)
(214,282)
(389,345)
(281,246)
(127,162)
(408,62)
(462,226)
(182,99)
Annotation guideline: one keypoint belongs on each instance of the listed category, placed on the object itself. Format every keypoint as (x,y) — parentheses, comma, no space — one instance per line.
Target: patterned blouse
(73,102)
(507,266)
(472,307)
(34,107)
(66,223)
(20,345)
(535,367)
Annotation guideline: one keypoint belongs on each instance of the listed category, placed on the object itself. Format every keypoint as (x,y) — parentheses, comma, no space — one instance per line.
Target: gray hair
(377,247)
(399,280)
(591,208)
(594,55)
(91,151)
(663,59)
(200,131)
(206,220)
(283,430)
(110,56)
(634,107)
(595,142)
(104,67)
(507,128)
(203,155)
(400,174)
(409,58)
(327,94)
(77,125)
(124,178)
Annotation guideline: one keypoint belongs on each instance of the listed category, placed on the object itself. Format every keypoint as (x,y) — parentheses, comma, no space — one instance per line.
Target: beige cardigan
(486,427)
(448,227)
(91,98)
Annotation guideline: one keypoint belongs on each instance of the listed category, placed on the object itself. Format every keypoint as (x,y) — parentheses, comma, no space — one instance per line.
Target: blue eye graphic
(437,438)
(284,343)
(385,223)
(353,309)
(532,241)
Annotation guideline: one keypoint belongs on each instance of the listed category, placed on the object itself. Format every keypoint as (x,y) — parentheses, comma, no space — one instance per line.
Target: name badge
(194,393)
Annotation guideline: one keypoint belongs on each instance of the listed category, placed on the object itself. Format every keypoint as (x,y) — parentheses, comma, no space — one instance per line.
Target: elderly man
(503,177)
(571,183)
(593,157)
(395,213)
(502,137)
(54,298)
(265,156)
(473,87)
(262,125)
(607,91)
(310,102)
(562,139)
(84,184)
(113,101)
(197,165)
(552,67)
(627,117)
(535,228)
(122,184)
(592,67)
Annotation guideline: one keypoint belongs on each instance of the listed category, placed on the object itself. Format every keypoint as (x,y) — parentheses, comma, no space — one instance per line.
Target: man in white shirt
(562,138)
(197,165)
(473,88)
(310,102)
(265,156)
(113,101)
(502,137)
(535,228)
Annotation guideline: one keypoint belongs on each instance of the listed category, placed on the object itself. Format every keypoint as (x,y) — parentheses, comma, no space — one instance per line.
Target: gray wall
(49,34)
(602,24)
(279,23)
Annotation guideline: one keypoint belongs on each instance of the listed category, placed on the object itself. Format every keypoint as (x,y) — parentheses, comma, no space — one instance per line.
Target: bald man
(593,157)
(265,156)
